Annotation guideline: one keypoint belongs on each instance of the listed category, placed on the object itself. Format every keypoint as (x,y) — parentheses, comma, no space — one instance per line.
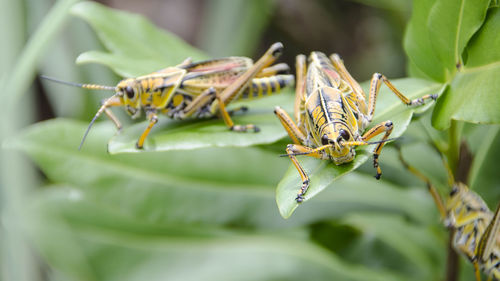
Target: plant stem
(454,135)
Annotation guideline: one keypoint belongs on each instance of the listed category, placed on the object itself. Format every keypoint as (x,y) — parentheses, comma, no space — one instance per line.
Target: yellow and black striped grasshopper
(194,89)
(476,230)
(332,114)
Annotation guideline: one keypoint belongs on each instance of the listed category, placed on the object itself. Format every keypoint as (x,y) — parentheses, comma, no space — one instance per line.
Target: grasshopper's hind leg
(375,83)
(279,68)
(241,83)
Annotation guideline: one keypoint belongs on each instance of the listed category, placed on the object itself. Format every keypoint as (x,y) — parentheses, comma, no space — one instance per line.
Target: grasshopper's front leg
(384,127)
(153,119)
(293,149)
(241,83)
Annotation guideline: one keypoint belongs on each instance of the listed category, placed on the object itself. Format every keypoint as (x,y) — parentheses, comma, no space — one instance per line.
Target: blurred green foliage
(210,213)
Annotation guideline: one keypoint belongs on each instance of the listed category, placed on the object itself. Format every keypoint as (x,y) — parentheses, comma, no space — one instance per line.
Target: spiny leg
(205,98)
(111,103)
(279,68)
(291,128)
(242,82)
(229,122)
(153,119)
(375,83)
(338,64)
(477,271)
(105,104)
(384,127)
(237,109)
(185,62)
(292,150)
(430,187)
(300,90)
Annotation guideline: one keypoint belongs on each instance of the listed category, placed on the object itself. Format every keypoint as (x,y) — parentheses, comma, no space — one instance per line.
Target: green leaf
(88,242)
(204,186)
(323,173)
(416,244)
(451,24)
(418,46)
(136,46)
(191,134)
(472,95)
(438,33)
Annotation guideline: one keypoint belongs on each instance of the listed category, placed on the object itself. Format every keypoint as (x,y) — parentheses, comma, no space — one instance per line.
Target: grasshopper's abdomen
(265,86)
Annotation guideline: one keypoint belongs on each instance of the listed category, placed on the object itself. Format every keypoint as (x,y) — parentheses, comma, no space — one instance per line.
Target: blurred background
(353,232)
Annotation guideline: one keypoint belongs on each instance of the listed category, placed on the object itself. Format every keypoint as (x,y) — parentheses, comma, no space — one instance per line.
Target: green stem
(454,136)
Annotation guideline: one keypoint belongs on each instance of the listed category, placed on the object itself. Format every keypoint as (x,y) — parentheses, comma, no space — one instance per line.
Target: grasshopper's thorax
(153,91)
(331,121)
(469,216)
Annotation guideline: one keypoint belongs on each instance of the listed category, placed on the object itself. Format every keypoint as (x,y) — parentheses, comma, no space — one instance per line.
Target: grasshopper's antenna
(103,107)
(85,86)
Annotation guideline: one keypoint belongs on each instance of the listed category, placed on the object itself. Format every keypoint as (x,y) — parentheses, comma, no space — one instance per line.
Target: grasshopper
(476,230)
(194,90)
(331,114)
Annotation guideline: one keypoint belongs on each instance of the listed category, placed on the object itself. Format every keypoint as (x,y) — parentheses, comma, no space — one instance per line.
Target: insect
(476,230)
(332,114)
(194,90)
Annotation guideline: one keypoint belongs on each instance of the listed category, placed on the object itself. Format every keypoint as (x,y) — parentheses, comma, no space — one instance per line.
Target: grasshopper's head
(336,138)
(129,95)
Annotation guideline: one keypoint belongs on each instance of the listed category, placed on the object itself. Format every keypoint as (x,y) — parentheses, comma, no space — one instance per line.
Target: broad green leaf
(324,173)
(417,245)
(204,186)
(484,171)
(451,24)
(473,94)
(191,134)
(136,46)
(418,45)
(88,242)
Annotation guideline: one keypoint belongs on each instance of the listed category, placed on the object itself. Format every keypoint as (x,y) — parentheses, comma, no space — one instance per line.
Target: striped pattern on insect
(332,114)
(476,230)
(194,90)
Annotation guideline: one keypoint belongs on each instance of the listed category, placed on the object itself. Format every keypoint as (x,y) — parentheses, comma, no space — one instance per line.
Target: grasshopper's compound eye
(130,92)
(324,140)
(344,134)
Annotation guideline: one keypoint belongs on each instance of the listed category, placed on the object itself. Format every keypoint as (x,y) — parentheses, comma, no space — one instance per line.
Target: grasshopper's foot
(376,166)
(421,101)
(242,108)
(303,189)
(244,128)
(138,146)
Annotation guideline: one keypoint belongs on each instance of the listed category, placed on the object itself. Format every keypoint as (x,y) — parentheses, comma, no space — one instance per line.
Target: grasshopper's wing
(490,237)
(221,64)
(218,73)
